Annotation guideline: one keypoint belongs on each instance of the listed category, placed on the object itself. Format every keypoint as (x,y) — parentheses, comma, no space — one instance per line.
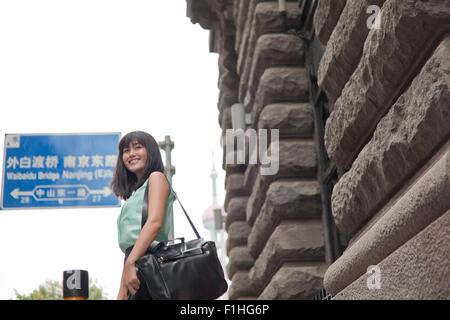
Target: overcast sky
(102,66)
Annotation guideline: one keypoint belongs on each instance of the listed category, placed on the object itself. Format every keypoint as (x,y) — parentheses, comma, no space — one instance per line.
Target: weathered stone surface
(326,17)
(231,168)
(407,135)
(225,119)
(228,81)
(236,210)
(240,259)
(237,235)
(234,168)
(267,20)
(295,281)
(244,42)
(345,47)
(291,241)
(286,199)
(226,100)
(273,50)
(256,200)
(280,84)
(240,286)
(251,172)
(227,62)
(423,202)
(234,186)
(203,13)
(419,270)
(243,12)
(389,62)
(292,119)
(297,158)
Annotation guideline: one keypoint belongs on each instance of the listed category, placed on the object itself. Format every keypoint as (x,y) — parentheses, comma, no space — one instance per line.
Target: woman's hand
(123,292)
(130,282)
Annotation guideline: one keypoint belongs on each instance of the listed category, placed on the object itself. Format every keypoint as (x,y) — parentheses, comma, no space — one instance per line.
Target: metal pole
(167,145)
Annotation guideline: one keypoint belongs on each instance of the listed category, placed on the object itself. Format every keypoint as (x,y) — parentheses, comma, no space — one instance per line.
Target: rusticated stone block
(245,39)
(416,271)
(237,235)
(228,81)
(203,13)
(256,200)
(326,17)
(423,202)
(251,172)
(227,61)
(297,158)
(240,286)
(273,50)
(414,27)
(231,168)
(234,186)
(236,211)
(406,136)
(292,119)
(225,119)
(345,47)
(280,84)
(286,199)
(240,22)
(291,241)
(240,259)
(226,100)
(234,168)
(295,281)
(267,19)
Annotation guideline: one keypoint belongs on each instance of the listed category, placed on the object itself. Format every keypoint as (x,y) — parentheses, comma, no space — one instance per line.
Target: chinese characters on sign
(59,170)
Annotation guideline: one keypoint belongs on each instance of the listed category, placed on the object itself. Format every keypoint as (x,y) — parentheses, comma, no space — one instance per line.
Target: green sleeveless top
(129,220)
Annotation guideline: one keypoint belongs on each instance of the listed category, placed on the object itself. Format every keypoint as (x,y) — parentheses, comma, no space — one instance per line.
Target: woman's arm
(158,192)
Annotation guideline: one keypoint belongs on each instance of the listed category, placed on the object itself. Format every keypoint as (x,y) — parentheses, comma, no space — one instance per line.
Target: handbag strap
(145,208)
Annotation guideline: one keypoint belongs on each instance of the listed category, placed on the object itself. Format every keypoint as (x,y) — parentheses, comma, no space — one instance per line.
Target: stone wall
(275,237)
(388,90)
(389,132)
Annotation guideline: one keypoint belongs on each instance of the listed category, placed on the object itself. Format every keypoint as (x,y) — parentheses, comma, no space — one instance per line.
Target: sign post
(59,170)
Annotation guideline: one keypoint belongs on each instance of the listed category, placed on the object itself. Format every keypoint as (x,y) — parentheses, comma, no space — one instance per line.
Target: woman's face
(135,158)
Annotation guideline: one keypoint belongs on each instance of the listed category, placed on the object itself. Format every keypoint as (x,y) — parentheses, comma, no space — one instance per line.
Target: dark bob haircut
(125,182)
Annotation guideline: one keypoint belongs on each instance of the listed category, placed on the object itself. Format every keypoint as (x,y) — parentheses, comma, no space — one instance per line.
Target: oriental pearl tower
(213,220)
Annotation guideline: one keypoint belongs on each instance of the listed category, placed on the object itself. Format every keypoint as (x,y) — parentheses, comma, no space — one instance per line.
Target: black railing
(323,295)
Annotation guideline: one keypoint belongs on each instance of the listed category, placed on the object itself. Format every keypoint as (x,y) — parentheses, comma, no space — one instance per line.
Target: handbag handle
(145,209)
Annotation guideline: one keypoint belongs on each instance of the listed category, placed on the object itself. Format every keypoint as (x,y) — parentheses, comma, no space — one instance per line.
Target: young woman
(139,163)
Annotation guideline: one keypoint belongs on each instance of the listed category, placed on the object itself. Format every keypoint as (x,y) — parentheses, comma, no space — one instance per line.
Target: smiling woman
(102,66)
(139,164)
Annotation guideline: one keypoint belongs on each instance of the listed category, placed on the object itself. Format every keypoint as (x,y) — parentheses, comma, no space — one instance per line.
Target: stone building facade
(363,113)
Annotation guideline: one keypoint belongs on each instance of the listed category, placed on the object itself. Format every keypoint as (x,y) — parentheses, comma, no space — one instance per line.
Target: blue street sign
(59,170)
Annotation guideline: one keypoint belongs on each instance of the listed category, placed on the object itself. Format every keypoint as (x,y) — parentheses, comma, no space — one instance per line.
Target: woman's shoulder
(156,175)
(158,179)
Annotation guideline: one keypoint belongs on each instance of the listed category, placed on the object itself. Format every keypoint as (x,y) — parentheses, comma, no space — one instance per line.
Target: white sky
(102,66)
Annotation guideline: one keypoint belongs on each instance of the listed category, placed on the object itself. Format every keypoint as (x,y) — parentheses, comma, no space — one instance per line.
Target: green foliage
(52,290)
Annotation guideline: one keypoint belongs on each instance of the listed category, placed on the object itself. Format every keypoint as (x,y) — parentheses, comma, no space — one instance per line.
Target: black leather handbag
(179,269)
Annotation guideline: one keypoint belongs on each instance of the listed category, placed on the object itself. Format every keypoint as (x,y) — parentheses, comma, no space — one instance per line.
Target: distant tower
(213,220)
